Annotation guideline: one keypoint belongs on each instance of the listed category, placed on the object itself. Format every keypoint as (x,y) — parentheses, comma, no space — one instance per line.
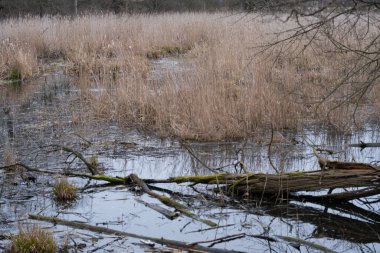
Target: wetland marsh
(211,105)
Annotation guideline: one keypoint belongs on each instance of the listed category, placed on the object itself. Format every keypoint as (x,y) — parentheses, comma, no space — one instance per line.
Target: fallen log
(286,183)
(258,183)
(170,243)
(190,247)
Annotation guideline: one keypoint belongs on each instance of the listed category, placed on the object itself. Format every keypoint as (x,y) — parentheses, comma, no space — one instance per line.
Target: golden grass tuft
(64,191)
(32,240)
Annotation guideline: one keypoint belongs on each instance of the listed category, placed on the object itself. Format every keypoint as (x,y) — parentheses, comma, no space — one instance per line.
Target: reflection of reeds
(9,155)
(226,93)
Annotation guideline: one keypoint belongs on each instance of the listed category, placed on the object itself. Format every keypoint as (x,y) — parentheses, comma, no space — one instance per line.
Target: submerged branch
(170,243)
(304,242)
(169,202)
(91,167)
(167,213)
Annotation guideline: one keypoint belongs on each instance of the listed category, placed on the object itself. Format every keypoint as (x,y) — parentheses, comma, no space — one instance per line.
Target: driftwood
(170,243)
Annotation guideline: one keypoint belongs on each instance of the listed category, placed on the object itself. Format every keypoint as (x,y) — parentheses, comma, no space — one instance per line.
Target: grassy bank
(227,91)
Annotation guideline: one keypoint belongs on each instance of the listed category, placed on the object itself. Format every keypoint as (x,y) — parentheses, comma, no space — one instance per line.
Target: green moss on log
(199,179)
(112,180)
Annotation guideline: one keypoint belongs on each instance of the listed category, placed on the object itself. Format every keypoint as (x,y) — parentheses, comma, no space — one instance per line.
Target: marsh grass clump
(32,240)
(64,191)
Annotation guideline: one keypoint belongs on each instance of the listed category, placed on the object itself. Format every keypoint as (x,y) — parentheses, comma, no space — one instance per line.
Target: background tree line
(9,8)
(69,7)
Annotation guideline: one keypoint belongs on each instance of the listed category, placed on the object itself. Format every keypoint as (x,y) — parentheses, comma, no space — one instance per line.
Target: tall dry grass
(225,92)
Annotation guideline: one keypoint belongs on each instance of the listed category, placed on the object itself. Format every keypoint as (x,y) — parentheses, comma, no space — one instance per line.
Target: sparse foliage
(348,28)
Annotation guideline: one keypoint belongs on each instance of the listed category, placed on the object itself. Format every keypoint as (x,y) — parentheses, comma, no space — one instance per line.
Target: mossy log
(285,183)
(260,183)
(306,181)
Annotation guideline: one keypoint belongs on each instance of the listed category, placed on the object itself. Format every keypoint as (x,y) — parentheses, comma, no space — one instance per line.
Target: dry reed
(225,91)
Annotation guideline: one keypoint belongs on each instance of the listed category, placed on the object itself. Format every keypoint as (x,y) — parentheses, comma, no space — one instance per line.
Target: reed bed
(226,90)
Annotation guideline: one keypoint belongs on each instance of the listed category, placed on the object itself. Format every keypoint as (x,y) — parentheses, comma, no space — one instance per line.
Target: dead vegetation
(227,91)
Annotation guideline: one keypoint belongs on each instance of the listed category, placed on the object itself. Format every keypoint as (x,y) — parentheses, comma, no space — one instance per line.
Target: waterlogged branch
(169,202)
(170,243)
(222,239)
(191,152)
(91,167)
(167,213)
(191,247)
(306,243)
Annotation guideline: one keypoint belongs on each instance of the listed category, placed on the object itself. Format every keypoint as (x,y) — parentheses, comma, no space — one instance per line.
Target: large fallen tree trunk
(307,181)
(269,184)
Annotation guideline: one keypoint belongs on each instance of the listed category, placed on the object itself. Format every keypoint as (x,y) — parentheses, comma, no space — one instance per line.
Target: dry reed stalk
(226,93)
